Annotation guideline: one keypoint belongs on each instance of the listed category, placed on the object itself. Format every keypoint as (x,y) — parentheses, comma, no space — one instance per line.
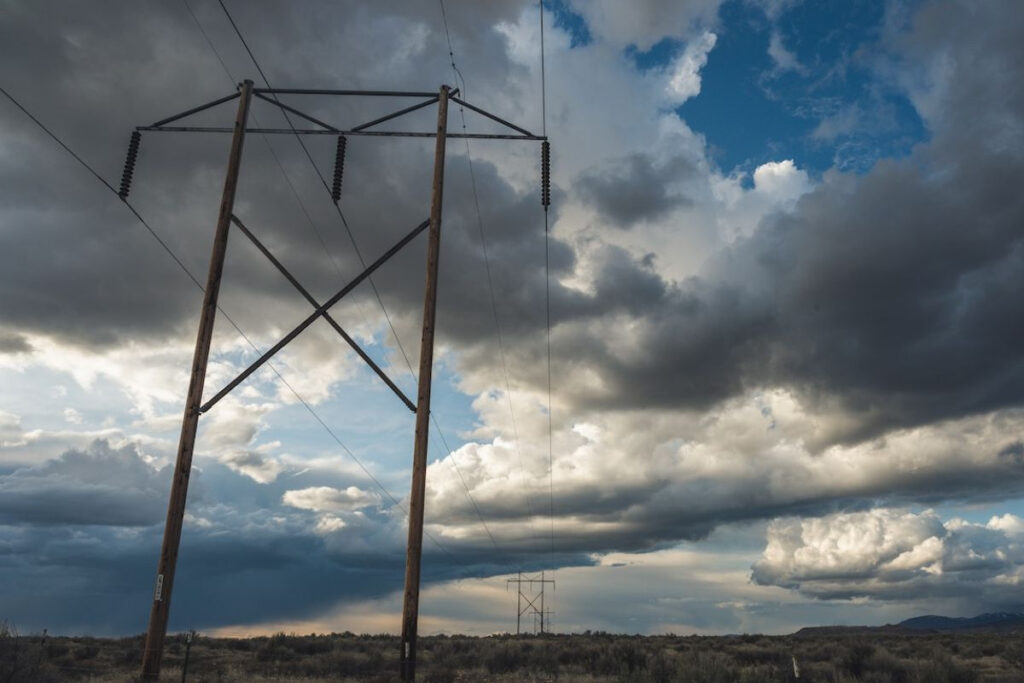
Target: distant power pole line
(530,600)
(194,405)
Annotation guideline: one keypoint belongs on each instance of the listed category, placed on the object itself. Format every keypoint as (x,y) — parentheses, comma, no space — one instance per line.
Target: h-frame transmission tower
(531,601)
(194,405)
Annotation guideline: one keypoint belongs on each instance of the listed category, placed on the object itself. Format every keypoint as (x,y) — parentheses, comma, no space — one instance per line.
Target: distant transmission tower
(531,600)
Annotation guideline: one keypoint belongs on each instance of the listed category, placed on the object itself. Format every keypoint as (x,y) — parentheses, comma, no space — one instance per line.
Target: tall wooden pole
(179,486)
(542,603)
(519,600)
(411,603)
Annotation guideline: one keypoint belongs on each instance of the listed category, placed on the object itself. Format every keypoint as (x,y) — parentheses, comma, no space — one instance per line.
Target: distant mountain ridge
(995,621)
(983,622)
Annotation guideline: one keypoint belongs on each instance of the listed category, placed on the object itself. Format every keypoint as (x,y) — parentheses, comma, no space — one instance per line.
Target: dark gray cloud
(94,519)
(82,269)
(889,291)
(13,343)
(100,485)
(636,188)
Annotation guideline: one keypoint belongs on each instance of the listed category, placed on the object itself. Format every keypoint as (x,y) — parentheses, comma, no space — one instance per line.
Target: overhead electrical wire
(355,246)
(458,75)
(170,252)
(327,187)
(273,153)
(547,285)
(547,267)
(487,261)
(270,147)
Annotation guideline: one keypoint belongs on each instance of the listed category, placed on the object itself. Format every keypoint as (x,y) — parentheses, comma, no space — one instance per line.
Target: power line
(344,221)
(487,263)
(270,147)
(227,317)
(355,246)
(277,159)
(547,294)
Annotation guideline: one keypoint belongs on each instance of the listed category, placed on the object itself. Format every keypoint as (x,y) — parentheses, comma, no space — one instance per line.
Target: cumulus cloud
(253,464)
(685,80)
(637,188)
(645,22)
(782,181)
(753,459)
(98,485)
(327,499)
(895,554)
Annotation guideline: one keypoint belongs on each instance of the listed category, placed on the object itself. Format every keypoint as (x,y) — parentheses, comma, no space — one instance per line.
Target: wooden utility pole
(519,600)
(179,485)
(410,607)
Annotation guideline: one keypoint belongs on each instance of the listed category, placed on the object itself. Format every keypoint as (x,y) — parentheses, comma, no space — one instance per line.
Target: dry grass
(586,658)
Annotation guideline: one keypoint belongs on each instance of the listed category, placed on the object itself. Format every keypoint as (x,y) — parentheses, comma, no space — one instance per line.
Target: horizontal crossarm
(327,316)
(320,310)
(320,131)
(354,93)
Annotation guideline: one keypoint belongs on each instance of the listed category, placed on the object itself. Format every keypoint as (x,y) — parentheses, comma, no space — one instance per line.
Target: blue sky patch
(822,104)
(571,22)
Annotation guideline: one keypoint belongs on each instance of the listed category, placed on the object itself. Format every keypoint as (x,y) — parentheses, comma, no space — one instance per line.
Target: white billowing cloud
(315,362)
(738,210)
(685,70)
(781,181)
(895,554)
(644,22)
(753,458)
(148,374)
(232,423)
(254,464)
(329,524)
(848,546)
(328,499)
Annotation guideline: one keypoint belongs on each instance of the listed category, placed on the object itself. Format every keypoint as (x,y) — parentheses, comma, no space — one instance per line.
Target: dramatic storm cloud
(779,276)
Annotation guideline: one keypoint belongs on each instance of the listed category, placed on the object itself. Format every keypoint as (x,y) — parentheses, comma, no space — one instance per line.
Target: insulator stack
(129,164)
(339,168)
(545,174)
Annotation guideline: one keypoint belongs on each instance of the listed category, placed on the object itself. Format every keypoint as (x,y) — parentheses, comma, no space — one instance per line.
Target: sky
(786,384)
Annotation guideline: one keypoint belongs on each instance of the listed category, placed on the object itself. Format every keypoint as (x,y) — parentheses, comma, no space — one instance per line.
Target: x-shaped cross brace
(321,310)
